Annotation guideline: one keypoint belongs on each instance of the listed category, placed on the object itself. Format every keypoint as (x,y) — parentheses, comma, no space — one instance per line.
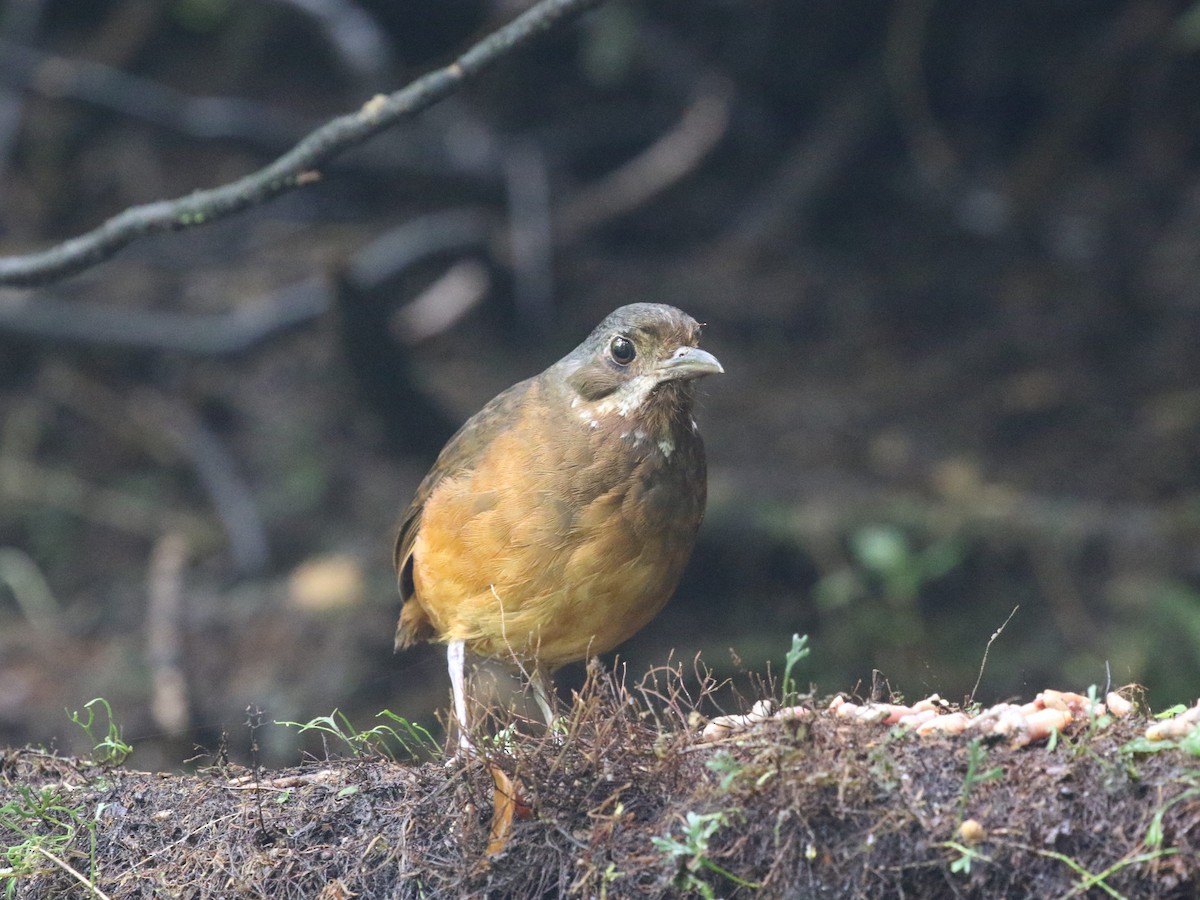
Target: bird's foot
(556,731)
(465,752)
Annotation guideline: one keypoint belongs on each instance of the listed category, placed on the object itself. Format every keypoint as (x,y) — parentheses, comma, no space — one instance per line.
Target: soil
(626,803)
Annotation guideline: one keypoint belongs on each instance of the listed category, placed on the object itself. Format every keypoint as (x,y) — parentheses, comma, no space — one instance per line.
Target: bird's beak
(689,362)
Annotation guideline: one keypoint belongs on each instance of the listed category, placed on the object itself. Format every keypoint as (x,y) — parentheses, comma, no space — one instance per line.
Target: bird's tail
(414,625)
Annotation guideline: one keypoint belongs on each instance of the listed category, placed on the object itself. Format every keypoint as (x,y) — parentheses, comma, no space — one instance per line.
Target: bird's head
(640,362)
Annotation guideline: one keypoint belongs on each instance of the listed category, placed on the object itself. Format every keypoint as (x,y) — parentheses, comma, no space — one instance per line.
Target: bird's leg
(543,693)
(456,655)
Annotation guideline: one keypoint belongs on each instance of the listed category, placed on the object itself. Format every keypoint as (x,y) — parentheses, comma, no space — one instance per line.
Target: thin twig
(1068,606)
(73,872)
(983,662)
(295,168)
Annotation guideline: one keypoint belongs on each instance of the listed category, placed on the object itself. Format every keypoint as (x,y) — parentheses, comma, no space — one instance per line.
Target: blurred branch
(259,125)
(249,324)
(360,44)
(435,310)
(156,417)
(1055,572)
(220,334)
(21,575)
(169,702)
(1098,70)
(530,232)
(216,470)
(388,255)
(928,144)
(292,170)
(851,116)
(106,87)
(22,481)
(20,21)
(832,501)
(661,165)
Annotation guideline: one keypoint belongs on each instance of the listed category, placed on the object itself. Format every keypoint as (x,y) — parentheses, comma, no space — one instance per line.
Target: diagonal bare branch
(295,168)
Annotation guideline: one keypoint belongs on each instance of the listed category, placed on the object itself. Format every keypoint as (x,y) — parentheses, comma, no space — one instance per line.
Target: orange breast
(558,546)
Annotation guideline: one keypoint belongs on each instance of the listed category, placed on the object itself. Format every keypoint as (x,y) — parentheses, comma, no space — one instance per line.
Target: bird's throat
(644,411)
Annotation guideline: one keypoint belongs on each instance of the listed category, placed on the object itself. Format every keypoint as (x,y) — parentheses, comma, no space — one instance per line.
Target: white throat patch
(625,400)
(628,398)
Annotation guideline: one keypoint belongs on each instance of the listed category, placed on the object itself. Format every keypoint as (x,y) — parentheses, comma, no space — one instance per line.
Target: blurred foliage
(885,564)
(202,15)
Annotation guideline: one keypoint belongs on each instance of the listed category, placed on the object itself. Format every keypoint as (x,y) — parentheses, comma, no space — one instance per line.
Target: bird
(557,521)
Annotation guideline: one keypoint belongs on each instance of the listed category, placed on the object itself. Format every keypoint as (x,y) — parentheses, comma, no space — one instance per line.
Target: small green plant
(611,875)
(39,828)
(727,766)
(110,750)
(1089,880)
(1154,832)
(691,853)
(883,557)
(1189,743)
(1084,742)
(1171,711)
(505,739)
(799,650)
(885,552)
(966,857)
(1153,841)
(413,740)
(882,759)
(976,775)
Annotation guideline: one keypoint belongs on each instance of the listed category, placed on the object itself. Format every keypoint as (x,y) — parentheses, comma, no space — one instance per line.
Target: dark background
(949,254)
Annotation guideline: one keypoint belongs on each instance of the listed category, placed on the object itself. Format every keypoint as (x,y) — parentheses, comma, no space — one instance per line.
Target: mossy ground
(627,802)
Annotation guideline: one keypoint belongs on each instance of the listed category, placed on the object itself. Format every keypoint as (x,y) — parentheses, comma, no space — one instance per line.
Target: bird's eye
(622,350)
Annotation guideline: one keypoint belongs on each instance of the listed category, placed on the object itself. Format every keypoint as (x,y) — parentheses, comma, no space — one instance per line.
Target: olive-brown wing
(459,456)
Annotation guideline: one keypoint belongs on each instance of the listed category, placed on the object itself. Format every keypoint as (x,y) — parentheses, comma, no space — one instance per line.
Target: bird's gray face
(645,353)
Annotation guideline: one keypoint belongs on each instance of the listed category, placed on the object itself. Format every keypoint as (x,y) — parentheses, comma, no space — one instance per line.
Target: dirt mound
(629,802)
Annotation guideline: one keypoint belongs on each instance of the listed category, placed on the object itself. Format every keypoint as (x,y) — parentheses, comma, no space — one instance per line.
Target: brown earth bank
(627,801)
